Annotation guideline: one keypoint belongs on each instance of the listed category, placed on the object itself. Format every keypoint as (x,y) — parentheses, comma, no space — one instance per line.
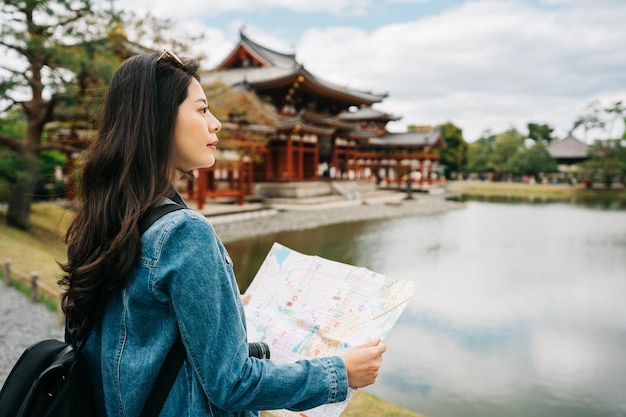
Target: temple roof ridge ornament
(273,57)
(260,66)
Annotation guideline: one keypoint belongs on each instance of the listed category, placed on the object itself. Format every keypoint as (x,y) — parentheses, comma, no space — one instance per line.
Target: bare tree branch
(10,105)
(16,48)
(12,143)
(11,70)
(63,147)
(79,15)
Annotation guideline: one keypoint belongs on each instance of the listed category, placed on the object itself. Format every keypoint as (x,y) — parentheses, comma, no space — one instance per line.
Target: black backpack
(51,378)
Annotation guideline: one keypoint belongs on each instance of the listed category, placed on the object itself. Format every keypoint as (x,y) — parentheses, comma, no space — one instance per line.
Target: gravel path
(22,323)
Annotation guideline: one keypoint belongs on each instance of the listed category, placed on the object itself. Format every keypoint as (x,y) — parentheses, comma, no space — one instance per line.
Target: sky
(483,65)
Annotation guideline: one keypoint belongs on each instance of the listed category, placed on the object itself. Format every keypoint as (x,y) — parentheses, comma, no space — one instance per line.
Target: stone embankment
(304,216)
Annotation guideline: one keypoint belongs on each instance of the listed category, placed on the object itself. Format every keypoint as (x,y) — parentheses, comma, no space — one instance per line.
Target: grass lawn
(535,191)
(39,249)
(364,404)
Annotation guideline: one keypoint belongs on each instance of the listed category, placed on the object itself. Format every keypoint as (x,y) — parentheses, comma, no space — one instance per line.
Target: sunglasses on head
(170,55)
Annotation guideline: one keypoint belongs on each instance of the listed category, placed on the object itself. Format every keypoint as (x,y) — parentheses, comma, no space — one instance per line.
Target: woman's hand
(363,362)
(245,298)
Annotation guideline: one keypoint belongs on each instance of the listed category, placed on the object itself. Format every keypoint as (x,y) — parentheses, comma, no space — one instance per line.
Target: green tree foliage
(616,113)
(607,157)
(13,125)
(49,186)
(454,154)
(506,145)
(604,118)
(505,153)
(531,161)
(607,162)
(590,120)
(478,154)
(51,56)
(58,56)
(540,132)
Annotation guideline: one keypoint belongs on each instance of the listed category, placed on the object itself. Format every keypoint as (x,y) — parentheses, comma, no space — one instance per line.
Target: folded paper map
(306,306)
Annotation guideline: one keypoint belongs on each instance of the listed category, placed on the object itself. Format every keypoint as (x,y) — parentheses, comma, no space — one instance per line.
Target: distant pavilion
(568,152)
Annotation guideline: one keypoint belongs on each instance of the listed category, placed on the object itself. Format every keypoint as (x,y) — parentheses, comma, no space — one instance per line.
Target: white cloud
(481,65)
(563,362)
(584,3)
(183,9)
(485,64)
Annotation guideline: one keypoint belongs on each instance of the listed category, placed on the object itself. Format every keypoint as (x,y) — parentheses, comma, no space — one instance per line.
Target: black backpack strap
(155,213)
(163,384)
(176,356)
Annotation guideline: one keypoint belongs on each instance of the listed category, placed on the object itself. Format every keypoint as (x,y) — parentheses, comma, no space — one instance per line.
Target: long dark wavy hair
(126,170)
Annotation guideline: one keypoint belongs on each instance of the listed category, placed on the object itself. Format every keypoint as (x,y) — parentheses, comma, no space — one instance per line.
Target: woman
(176,278)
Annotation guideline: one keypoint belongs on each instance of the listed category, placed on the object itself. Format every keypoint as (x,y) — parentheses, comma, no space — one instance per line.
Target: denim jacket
(184,282)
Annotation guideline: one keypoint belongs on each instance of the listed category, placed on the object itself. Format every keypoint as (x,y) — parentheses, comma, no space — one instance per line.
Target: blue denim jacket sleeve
(185,282)
(194,275)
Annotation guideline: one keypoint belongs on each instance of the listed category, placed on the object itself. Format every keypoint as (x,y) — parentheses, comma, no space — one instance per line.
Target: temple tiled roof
(568,148)
(269,56)
(259,76)
(357,134)
(248,75)
(299,124)
(411,138)
(327,120)
(272,67)
(367,113)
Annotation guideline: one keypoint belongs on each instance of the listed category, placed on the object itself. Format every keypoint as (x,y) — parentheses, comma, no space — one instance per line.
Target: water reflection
(518,309)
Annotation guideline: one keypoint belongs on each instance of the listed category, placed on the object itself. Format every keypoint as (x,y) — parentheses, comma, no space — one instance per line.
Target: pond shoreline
(315,216)
(307,216)
(563,192)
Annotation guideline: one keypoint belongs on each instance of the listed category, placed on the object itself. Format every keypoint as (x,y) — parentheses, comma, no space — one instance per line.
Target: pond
(519,309)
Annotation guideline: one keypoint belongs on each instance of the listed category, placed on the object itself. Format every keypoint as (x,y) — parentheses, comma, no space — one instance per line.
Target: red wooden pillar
(240,197)
(421,172)
(430,173)
(289,157)
(190,191)
(249,176)
(335,159)
(353,163)
(316,159)
(202,186)
(399,172)
(269,164)
(300,160)
(231,177)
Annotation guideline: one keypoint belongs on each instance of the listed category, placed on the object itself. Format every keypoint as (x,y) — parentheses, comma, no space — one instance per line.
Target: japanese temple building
(283,125)
(291,126)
